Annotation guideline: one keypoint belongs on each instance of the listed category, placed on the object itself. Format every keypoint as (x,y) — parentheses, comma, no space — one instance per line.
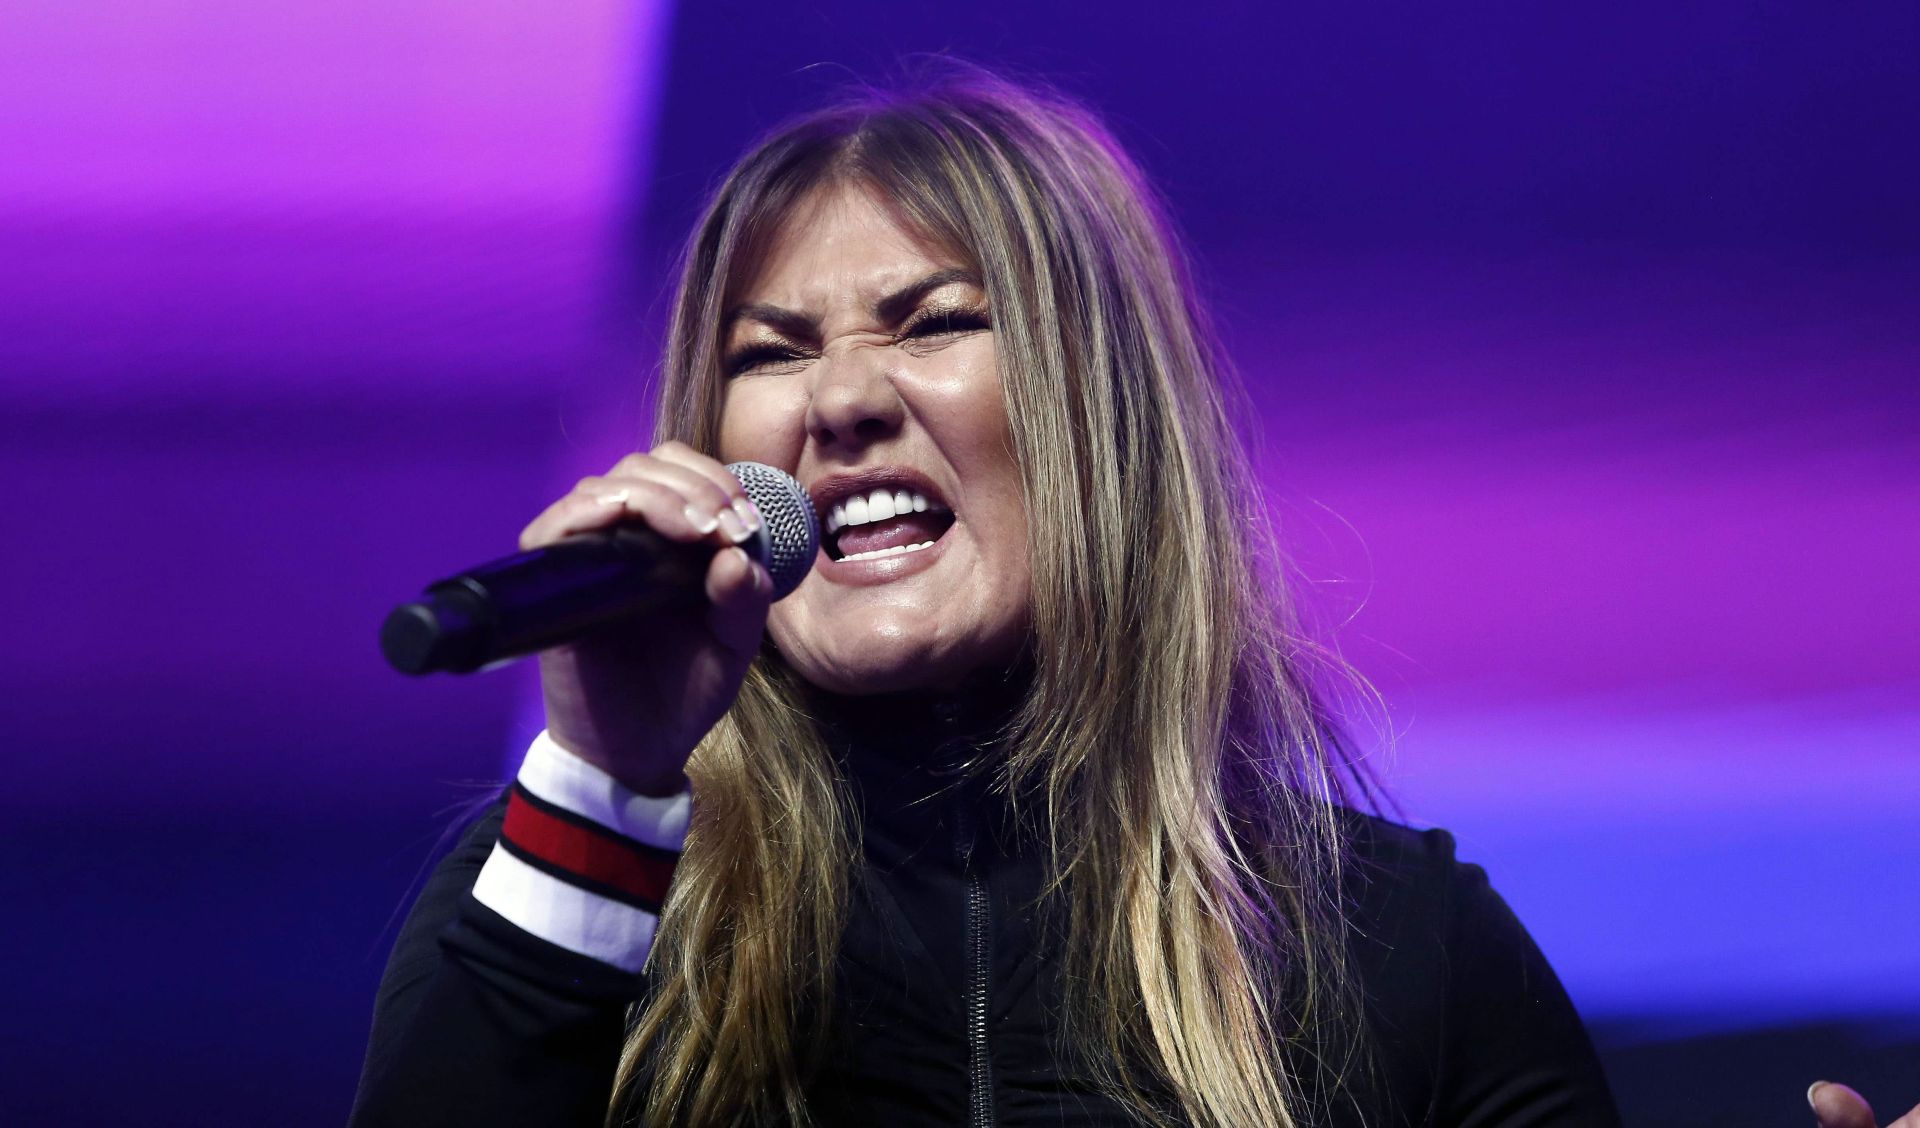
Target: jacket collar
(941,730)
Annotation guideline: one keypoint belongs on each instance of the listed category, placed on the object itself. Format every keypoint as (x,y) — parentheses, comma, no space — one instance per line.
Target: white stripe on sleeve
(579,921)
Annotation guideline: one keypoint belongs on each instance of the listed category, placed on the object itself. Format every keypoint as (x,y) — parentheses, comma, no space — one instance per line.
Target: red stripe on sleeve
(578,850)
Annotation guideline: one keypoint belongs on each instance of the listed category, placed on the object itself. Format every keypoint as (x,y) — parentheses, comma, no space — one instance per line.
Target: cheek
(975,431)
(970,412)
(763,420)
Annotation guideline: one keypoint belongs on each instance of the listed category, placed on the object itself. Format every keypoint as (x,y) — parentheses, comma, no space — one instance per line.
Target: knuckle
(651,497)
(715,492)
(655,499)
(692,485)
(706,465)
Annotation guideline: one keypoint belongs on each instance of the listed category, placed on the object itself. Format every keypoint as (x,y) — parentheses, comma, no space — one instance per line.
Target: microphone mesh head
(790,532)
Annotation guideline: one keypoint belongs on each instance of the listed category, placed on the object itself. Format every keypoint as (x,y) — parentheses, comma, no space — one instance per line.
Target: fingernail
(1811,1090)
(731,525)
(615,499)
(749,514)
(705,522)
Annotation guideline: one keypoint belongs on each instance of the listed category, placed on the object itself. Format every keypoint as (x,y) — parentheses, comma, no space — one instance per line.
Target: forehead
(840,245)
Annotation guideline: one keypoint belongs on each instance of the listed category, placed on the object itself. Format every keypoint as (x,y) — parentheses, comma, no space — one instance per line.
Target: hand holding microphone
(645,590)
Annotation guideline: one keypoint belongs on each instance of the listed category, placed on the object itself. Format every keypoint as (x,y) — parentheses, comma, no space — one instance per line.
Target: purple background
(1584,346)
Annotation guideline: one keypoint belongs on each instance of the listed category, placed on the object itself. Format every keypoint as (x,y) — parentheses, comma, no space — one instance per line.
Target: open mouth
(887,519)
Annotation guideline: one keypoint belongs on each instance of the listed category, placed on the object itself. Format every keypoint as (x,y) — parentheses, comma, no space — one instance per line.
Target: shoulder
(1406,851)
(1403,880)
(1403,885)
(1464,1011)
(1420,919)
(1401,890)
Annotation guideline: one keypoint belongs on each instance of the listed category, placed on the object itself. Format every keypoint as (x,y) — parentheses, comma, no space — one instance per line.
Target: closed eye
(934,325)
(763,358)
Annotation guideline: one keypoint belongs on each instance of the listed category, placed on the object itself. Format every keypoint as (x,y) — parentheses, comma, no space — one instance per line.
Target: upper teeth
(879,505)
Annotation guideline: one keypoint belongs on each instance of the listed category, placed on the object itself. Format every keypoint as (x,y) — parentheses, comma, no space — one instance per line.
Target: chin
(879,669)
(882,660)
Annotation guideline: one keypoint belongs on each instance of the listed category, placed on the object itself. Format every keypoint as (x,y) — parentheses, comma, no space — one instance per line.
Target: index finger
(680,454)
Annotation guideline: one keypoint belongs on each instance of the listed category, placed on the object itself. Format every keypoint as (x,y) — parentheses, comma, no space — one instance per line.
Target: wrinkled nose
(854,404)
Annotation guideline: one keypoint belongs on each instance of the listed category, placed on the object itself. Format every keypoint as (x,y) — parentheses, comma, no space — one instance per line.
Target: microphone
(530,601)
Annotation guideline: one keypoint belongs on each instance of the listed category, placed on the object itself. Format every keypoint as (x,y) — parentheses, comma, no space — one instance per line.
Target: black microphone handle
(533,600)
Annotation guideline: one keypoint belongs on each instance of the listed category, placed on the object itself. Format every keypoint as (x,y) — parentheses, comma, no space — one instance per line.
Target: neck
(913,723)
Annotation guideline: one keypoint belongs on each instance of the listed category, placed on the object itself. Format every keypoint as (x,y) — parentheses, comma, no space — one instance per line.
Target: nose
(854,402)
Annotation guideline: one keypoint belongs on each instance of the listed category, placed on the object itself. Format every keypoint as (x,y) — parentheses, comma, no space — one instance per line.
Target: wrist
(653,783)
(582,860)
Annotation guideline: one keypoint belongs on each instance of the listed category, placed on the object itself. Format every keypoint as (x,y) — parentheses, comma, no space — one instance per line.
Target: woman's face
(862,361)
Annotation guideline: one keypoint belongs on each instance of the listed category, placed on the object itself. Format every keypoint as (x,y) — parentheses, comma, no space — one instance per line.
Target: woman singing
(1027,806)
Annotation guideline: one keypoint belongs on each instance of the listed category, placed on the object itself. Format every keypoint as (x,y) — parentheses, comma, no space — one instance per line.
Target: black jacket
(948,993)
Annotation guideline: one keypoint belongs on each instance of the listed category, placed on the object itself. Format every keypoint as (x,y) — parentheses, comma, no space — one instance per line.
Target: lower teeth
(896,550)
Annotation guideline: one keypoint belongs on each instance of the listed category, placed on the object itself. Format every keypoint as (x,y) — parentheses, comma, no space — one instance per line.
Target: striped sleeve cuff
(582,861)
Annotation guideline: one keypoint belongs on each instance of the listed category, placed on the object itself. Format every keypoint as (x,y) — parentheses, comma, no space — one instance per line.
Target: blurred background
(1584,341)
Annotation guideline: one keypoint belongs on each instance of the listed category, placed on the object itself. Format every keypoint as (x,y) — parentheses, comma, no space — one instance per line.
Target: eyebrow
(890,309)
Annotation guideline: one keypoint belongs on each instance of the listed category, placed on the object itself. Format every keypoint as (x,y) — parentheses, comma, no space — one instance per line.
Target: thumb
(1836,1106)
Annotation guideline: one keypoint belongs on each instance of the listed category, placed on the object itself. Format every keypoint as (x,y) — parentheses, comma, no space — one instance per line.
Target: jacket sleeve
(505,999)
(1515,1054)
(479,1022)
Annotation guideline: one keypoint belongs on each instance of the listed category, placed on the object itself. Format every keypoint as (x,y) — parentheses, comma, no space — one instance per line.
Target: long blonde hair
(1190,773)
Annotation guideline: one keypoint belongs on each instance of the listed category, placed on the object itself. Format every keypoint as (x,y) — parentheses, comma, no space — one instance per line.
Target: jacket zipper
(979,1065)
